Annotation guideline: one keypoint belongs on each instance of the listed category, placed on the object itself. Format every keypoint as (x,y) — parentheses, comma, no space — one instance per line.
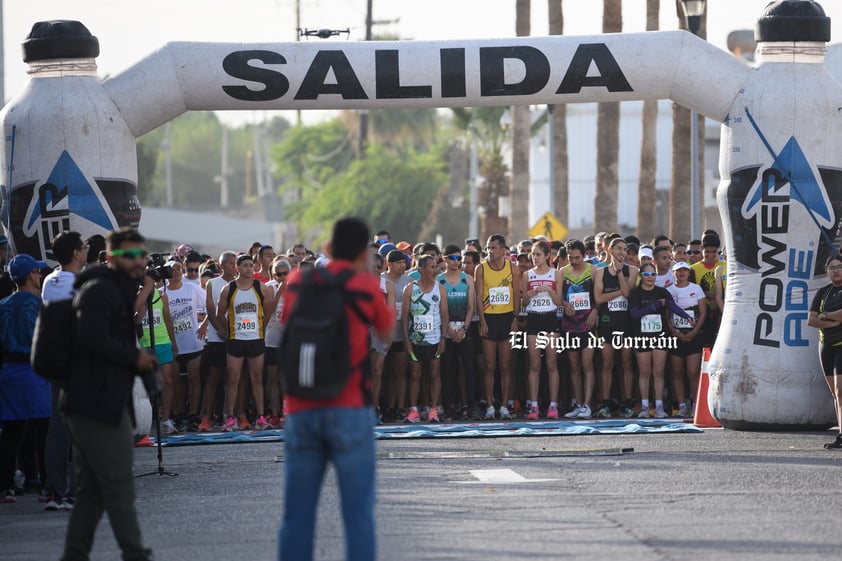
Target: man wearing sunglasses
(97,400)
(191,268)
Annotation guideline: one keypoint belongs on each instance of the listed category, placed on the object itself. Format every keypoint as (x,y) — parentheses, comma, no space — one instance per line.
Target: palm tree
(560,186)
(646,194)
(521,124)
(680,183)
(608,139)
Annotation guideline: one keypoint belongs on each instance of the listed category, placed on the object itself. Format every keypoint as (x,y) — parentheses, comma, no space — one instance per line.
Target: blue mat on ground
(468,430)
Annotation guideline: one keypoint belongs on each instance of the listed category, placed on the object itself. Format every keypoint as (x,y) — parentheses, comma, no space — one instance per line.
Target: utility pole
(168,163)
(363,113)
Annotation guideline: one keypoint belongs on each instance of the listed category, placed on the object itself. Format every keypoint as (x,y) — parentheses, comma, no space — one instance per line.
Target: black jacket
(102,369)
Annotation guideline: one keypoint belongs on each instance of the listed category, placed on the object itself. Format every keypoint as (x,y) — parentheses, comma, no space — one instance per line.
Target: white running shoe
(169,426)
(573,413)
(504,413)
(660,413)
(585,412)
(644,413)
(489,413)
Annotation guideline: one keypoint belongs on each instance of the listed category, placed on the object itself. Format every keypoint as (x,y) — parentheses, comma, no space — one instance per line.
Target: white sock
(414,408)
(659,403)
(553,404)
(644,404)
(529,404)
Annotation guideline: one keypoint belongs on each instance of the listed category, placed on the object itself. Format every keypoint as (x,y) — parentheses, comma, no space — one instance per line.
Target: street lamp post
(693,12)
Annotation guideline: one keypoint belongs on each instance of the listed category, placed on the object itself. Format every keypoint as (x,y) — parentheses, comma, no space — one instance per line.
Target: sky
(128,30)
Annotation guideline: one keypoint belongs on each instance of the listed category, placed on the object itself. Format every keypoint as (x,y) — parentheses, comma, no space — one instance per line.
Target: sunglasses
(133,253)
(694,251)
(280,273)
(192,270)
(454,257)
(648,274)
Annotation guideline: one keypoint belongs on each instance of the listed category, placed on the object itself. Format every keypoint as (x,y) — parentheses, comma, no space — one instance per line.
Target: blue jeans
(344,436)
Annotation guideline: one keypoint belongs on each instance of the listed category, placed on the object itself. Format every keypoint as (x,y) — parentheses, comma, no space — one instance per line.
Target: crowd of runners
(601,327)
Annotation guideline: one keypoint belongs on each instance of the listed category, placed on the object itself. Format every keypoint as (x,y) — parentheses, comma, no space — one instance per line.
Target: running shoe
(573,413)
(552,412)
(682,411)
(835,445)
(8,496)
(244,423)
(489,413)
(276,421)
(533,414)
(603,413)
(261,423)
(433,416)
(517,411)
(585,412)
(504,413)
(644,413)
(169,426)
(413,417)
(660,413)
(230,425)
(53,502)
(628,412)
(205,425)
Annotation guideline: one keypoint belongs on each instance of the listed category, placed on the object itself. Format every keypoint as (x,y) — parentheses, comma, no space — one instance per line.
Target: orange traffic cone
(703,417)
(143,442)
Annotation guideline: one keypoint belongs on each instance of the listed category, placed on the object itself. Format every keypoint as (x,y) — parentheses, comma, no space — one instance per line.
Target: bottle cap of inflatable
(791,21)
(57,39)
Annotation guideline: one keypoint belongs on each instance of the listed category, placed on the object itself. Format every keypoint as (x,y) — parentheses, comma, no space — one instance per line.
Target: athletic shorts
(185,358)
(164,353)
(425,353)
(606,329)
(499,326)
(694,347)
(396,347)
(247,349)
(270,356)
(548,323)
(831,359)
(215,353)
(579,341)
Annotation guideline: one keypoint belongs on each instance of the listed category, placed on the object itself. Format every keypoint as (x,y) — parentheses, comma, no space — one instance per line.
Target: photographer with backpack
(327,315)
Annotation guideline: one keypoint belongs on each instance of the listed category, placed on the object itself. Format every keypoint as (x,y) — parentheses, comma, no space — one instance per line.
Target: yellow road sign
(549,226)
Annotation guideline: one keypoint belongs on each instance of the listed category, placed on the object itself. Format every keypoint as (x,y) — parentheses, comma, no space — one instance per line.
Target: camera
(156,269)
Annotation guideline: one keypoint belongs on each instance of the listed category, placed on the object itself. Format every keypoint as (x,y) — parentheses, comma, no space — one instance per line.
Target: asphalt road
(723,495)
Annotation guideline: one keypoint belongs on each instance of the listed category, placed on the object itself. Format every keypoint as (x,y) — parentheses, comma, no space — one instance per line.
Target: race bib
(682,323)
(157,318)
(498,296)
(422,324)
(618,304)
(185,324)
(542,303)
(581,301)
(246,324)
(651,323)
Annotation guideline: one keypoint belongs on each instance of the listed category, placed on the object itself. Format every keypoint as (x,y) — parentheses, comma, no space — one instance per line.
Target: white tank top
(215,285)
(541,303)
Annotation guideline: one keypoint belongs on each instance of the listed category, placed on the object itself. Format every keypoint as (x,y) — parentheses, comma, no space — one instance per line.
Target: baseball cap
(394,256)
(243,257)
(403,246)
(23,264)
(385,249)
(680,265)
(183,250)
(645,252)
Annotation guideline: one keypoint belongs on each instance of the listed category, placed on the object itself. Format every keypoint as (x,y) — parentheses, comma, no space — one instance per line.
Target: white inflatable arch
(69,161)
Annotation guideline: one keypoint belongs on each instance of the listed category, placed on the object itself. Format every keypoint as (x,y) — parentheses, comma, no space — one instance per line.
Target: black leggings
(12,440)
(465,352)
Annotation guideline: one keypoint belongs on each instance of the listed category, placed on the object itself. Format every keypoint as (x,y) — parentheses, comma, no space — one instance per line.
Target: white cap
(645,252)
(680,265)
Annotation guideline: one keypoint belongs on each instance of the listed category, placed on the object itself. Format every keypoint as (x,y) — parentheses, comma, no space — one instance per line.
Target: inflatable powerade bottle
(69,161)
(781,203)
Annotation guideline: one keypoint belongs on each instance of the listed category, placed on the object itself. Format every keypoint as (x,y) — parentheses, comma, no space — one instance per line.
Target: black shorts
(579,341)
(425,353)
(499,326)
(473,333)
(184,359)
(247,349)
(397,347)
(270,357)
(548,323)
(694,347)
(831,359)
(215,354)
(606,329)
